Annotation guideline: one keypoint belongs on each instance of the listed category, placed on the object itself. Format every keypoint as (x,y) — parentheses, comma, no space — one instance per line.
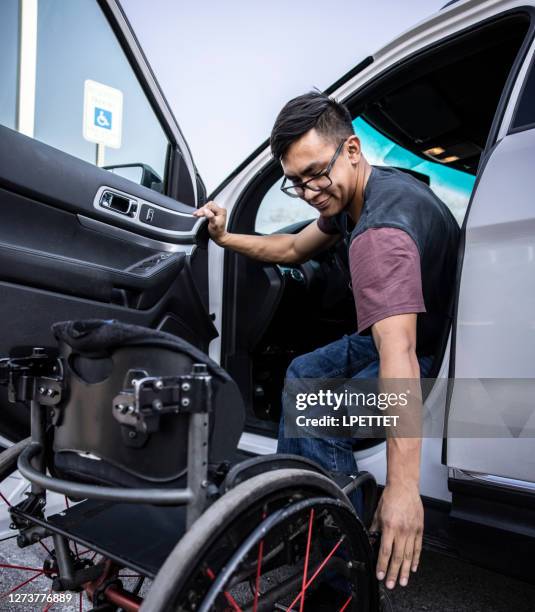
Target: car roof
(452,8)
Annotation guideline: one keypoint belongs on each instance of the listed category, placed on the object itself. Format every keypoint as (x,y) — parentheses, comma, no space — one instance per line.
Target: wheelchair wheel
(285,540)
(31,570)
(8,458)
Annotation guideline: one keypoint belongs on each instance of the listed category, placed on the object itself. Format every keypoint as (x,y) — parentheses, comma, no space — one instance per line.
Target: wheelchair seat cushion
(90,444)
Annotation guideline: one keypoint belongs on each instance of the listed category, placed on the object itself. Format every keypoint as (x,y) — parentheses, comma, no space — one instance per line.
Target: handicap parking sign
(103,114)
(102,118)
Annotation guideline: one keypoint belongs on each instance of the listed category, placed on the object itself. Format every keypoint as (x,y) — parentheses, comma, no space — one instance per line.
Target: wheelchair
(138,430)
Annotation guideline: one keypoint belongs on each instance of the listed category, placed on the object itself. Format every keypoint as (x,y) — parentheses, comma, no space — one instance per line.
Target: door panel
(32,168)
(495,335)
(62,257)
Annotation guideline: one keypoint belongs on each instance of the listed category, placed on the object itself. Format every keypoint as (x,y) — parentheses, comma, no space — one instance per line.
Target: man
(402,246)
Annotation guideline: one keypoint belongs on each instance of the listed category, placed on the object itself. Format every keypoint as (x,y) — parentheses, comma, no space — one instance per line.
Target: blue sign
(102,118)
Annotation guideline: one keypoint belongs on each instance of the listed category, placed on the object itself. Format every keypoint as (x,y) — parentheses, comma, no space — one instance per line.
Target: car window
(70,85)
(452,186)
(277,210)
(9,43)
(525,111)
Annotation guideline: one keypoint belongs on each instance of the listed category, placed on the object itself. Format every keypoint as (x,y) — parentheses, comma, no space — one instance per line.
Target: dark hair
(311,110)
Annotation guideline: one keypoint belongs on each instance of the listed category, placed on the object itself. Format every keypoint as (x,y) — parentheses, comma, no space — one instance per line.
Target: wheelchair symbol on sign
(102,118)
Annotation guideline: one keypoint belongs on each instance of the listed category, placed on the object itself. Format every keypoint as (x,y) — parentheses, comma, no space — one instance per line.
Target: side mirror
(142,174)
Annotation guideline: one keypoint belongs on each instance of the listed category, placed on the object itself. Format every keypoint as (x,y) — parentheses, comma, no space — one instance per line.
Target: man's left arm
(387,285)
(400,514)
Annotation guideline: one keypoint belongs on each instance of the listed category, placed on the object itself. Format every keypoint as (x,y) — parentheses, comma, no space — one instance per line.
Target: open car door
(490,448)
(97,186)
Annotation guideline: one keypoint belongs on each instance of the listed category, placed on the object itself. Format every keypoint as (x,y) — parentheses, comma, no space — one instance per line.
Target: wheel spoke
(315,574)
(346,603)
(8,538)
(139,584)
(258,574)
(259,568)
(305,568)
(45,547)
(19,586)
(48,606)
(231,601)
(20,567)
(324,562)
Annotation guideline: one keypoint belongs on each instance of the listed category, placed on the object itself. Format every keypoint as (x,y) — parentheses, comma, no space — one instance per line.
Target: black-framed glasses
(317,183)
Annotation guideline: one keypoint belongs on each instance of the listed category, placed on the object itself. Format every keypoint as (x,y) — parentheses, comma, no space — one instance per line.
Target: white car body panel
(496,315)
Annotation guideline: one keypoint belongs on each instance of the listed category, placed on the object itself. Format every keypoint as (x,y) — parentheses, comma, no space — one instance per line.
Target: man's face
(309,156)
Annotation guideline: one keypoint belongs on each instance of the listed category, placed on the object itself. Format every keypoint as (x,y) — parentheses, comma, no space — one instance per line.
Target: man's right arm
(275,248)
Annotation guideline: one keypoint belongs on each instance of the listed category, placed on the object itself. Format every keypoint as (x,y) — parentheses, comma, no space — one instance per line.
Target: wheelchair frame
(37,380)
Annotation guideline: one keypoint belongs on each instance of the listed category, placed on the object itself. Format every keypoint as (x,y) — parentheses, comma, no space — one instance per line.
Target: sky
(227,67)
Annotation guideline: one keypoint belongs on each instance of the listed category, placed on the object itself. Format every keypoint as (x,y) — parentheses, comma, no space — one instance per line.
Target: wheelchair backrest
(93,438)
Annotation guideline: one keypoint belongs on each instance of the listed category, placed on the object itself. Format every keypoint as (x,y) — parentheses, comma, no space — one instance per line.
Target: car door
(97,186)
(490,448)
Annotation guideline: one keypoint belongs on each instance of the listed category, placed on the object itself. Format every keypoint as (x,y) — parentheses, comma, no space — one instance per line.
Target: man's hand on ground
(217,220)
(400,519)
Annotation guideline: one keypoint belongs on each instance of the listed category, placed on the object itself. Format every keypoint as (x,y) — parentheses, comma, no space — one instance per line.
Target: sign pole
(27,67)
(100,155)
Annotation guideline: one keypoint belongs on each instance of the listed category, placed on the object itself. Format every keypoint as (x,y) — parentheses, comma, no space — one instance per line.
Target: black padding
(93,336)
(90,471)
(87,424)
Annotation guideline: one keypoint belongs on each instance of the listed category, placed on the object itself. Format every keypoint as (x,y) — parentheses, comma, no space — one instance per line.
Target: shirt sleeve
(327,225)
(386,275)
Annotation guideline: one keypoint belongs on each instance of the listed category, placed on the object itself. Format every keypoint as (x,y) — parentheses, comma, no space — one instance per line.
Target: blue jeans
(352,356)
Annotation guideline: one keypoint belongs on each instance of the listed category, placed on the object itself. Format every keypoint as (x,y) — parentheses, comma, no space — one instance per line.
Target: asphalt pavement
(442,584)
(445,584)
